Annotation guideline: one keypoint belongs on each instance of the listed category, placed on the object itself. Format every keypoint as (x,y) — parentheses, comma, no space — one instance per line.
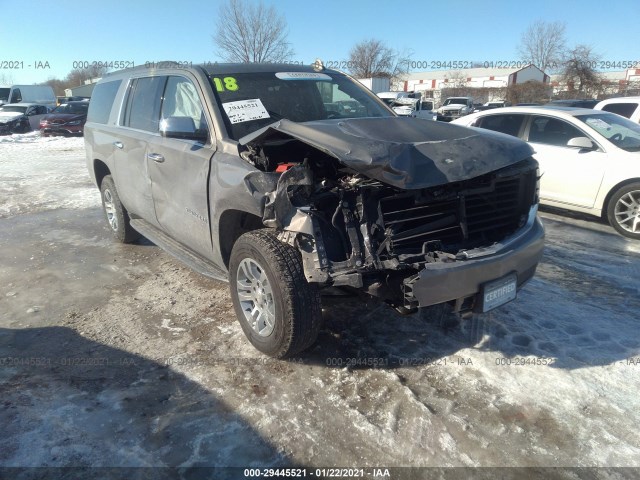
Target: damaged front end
(413,237)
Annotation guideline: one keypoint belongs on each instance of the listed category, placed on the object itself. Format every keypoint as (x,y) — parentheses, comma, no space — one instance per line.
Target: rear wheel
(117,215)
(278,310)
(623,211)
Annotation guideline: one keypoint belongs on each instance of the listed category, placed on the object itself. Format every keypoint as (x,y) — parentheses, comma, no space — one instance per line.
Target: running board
(179,251)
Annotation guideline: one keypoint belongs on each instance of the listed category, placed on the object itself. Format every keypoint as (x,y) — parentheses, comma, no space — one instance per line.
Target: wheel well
(232,224)
(101,170)
(605,205)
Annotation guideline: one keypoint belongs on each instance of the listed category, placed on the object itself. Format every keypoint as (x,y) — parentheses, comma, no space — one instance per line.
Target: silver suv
(251,175)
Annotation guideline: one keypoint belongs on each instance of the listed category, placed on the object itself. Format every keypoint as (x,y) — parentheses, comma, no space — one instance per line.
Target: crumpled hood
(8,116)
(407,153)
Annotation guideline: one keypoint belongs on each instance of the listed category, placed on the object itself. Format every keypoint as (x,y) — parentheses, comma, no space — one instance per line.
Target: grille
(473,217)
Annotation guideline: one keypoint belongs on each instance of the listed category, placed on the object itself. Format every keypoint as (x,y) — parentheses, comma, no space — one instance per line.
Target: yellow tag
(226,83)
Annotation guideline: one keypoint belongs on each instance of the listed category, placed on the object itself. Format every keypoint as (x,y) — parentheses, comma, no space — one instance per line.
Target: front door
(179,170)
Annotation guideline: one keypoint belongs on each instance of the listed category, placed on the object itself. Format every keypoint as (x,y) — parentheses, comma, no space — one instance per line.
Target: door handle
(119,145)
(156,157)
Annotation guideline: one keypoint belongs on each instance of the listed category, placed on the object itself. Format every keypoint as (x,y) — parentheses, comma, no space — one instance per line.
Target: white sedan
(589,159)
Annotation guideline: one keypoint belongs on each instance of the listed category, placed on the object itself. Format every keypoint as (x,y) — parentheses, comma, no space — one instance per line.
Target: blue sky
(65,31)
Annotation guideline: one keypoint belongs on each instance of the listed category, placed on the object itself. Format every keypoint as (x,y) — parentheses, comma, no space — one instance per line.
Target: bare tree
(6,79)
(528,92)
(58,85)
(579,70)
(77,76)
(372,58)
(543,44)
(251,33)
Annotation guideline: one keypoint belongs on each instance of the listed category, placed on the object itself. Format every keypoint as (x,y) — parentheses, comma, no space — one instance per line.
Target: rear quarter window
(509,124)
(102,101)
(624,109)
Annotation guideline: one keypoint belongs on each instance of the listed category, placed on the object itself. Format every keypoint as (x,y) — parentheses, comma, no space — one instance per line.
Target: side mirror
(181,127)
(581,143)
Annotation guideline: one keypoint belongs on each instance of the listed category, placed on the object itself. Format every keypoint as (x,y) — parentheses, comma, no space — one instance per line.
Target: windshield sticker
(598,123)
(226,83)
(303,76)
(245,110)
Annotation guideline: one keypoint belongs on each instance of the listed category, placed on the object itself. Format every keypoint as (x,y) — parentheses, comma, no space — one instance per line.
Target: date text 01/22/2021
(376,472)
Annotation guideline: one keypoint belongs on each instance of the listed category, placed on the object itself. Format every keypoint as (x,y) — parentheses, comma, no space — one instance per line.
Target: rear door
(140,120)
(179,169)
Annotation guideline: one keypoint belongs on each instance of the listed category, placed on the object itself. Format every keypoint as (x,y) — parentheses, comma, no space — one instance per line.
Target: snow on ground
(551,379)
(43,173)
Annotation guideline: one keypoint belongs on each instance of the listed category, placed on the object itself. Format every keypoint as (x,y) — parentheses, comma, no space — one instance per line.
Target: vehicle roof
(541,109)
(569,100)
(24,104)
(619,100)
(224,68)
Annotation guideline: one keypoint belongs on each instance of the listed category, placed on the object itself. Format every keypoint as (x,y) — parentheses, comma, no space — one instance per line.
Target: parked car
(241,172)
(414,107)
(20,117)
(61,100)
(574,102)
(589,159)
(455,107)
(490,105)
(626,106)
(66,119)
(390,97)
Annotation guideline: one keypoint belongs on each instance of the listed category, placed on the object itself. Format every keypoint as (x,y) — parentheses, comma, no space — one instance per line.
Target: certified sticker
(245,110)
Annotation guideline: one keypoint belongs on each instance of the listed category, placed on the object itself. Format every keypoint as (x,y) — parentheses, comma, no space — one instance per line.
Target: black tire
(295,304)
(623,213)
(115,213)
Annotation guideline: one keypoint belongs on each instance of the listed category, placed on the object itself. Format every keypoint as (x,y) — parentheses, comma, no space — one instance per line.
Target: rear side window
(509,124)
(143,105)
(624,109)
(102,101)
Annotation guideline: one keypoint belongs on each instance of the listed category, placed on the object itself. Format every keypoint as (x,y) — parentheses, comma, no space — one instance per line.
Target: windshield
(72,108)
(13,109)
(4,94)
(455,101)
(623,133)
(254,100)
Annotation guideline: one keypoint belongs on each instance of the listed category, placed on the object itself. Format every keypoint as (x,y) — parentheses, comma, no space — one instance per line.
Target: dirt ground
(117,355)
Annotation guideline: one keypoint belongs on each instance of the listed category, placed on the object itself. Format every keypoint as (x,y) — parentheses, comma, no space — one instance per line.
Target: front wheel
(623,211)
(278,310)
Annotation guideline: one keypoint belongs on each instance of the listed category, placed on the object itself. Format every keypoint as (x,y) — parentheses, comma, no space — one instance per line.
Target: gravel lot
(117,355)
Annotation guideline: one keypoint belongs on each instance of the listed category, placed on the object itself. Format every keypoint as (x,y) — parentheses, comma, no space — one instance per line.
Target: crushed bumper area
(462,281)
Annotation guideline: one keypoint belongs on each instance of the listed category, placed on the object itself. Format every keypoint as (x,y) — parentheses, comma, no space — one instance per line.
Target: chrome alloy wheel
(110,210)
(256,297)
(627,211)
